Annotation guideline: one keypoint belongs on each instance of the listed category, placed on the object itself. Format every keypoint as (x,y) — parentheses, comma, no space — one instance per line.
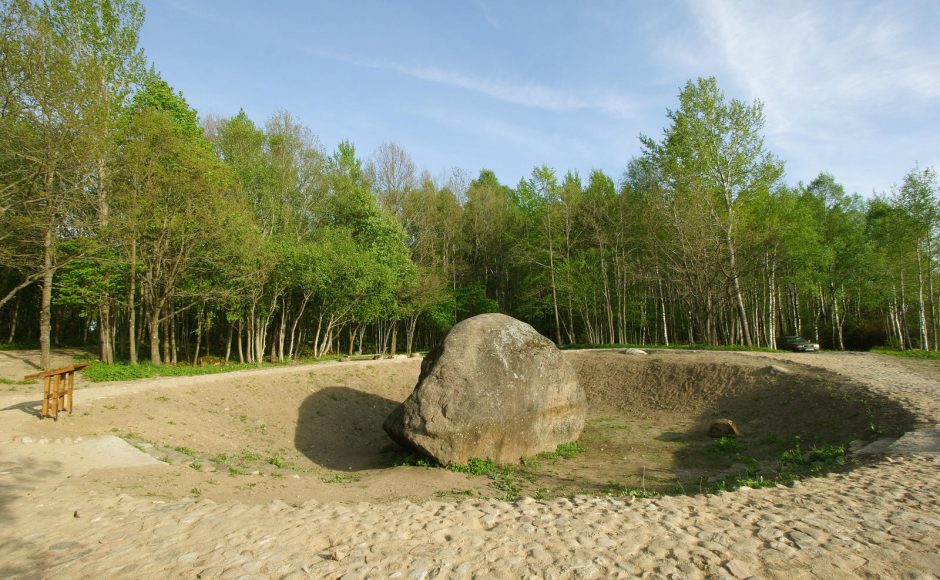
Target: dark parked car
(796,344)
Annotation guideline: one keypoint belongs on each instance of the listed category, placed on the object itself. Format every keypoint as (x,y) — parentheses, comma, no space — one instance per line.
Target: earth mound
(494,388)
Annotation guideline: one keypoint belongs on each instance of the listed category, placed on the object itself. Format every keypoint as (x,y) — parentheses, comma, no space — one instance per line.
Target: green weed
(563,451)
(793,456)
(342,478)
(725,446)
(475,466)
(828,454)
(413,459)
(454,493)
(619,490)
(5,381)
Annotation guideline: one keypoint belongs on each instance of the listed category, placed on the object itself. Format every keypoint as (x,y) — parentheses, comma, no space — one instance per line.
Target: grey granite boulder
(494,388)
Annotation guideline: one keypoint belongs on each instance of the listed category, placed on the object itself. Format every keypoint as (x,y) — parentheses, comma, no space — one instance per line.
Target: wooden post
(55,396)
(71,390)
(46,384)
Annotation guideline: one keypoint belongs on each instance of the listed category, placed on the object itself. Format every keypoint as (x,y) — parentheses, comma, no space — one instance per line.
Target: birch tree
(713,155)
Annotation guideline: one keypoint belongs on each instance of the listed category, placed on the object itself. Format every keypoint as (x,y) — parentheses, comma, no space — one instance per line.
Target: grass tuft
(725,446)
(918,354)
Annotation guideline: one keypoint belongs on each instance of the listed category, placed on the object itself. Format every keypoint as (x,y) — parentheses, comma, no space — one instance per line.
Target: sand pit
(313,434)
(317,434)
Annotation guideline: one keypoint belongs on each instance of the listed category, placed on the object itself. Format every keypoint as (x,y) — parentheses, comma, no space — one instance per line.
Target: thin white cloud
(811,61)
(488,14)
(837,79)
(527,94)
(492,129)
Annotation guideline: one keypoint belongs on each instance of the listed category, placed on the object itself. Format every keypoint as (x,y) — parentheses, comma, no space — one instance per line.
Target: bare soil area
(315,433)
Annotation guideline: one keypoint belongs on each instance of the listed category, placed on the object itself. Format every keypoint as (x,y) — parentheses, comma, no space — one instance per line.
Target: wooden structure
(57,386)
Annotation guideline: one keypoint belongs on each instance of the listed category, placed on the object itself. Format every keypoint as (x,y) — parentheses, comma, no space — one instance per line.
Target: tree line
(127,220)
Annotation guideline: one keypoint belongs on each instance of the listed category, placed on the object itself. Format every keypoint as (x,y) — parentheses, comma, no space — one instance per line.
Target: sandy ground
(337,508)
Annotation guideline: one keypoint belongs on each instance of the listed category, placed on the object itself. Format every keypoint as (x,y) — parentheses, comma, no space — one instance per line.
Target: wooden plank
(59,371)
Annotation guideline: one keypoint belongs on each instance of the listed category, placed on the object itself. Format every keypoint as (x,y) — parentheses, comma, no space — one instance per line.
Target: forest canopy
(129,222)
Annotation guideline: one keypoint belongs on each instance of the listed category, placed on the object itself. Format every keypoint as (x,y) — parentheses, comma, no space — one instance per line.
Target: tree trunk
(174,350)
(409,339)
(772,306)
(154,335)
(45,311)
(166,342)
(105,354)
(551,269)
(131,305)
(921,312)
(199,332)
(241,352)
(739,298)
(316,336)
(293,328)
(282,331)
(16,311)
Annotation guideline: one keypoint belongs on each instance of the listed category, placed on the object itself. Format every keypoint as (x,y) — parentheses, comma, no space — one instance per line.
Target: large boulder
(494,388)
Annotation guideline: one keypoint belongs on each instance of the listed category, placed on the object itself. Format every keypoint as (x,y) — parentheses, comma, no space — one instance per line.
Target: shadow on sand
(19,479)
(33,408)
(341,428)
(20,356)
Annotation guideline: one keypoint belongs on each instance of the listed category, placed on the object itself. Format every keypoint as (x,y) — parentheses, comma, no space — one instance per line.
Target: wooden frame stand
(58,389)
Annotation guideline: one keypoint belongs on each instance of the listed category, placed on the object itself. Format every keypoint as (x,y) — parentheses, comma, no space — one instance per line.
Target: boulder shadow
(341,428)
(791,415)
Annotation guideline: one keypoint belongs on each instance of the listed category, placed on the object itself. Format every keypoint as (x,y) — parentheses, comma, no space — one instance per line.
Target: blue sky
(852,88)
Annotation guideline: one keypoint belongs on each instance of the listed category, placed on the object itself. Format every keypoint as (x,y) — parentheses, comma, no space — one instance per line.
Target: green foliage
(472,300)
(158,95)
(99,372)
